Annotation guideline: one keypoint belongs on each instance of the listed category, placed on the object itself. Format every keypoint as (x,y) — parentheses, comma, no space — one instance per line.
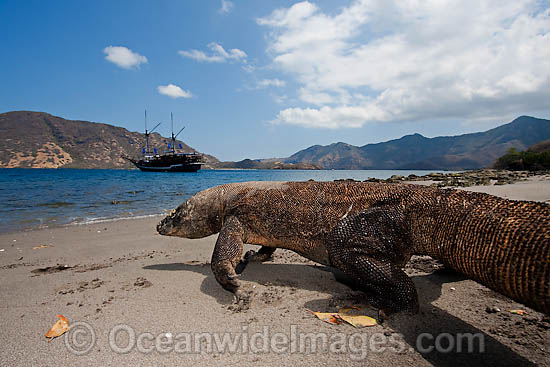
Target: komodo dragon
(370,230)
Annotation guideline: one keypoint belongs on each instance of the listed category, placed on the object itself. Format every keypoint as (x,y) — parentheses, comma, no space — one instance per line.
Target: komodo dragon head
(198,217)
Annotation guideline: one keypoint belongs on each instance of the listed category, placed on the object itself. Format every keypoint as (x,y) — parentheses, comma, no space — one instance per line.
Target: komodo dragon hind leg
(226,256)
(371,247)
(263,254)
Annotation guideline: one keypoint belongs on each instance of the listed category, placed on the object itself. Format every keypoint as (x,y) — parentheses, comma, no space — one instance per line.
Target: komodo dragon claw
(249,256)
(381,316)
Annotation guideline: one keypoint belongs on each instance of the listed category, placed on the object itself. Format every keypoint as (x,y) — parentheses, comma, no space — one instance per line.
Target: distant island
(40,140)
(468,151)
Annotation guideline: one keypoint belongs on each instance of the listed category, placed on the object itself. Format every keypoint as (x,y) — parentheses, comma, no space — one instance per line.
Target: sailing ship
(170,160)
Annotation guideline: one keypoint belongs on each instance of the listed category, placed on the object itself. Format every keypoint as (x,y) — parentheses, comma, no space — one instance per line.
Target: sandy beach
(152,300)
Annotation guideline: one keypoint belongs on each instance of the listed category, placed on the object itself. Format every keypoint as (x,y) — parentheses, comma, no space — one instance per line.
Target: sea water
(37,198)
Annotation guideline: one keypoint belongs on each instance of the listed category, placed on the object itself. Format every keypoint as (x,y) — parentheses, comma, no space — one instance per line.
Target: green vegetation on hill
(535,158)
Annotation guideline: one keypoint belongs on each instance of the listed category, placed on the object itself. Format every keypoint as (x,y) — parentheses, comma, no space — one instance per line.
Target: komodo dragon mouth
(166,225)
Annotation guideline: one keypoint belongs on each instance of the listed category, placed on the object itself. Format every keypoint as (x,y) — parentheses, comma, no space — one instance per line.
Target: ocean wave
(56,204)
(95,220)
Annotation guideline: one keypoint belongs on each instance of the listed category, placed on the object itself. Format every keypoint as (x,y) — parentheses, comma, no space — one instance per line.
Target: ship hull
(174,163)
(171,168)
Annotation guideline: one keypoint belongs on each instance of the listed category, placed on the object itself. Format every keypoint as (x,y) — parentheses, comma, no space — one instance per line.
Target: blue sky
(259,79)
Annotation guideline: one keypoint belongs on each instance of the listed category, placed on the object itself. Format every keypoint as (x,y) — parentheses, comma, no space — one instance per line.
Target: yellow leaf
(358,321)
(39,247)
(519,312)
(330,317)
(59,328)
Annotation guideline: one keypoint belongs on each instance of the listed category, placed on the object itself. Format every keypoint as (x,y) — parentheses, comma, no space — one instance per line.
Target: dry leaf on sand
(345,314)
(352,317)
(519,312)
(39,247)
(330,317)
(358,321)
(59,328)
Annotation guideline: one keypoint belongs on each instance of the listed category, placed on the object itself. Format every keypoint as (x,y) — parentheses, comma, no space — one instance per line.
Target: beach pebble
(2,250)
(492,309)
(453,288)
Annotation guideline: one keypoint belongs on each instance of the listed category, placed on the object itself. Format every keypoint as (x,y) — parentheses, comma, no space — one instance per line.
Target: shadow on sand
(431,319)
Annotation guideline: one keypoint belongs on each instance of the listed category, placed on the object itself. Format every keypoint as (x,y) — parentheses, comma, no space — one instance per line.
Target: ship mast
(174,136)
(147,133)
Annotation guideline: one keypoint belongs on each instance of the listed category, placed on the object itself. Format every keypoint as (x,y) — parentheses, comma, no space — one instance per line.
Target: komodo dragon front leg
(372,247)
(227,255)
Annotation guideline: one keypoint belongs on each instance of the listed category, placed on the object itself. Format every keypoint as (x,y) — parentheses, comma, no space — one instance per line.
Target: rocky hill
(468,151)
(264,164)
(40,140)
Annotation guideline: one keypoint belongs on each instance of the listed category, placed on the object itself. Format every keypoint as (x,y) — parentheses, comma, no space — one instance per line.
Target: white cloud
(248,68)
(124,57)
(327,117)
(218,54)
(264,83)
(173,91)
(379,60)
(280,99)
(226,7)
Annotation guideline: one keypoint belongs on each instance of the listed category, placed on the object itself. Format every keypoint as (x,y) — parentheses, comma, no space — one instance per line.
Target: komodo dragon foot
(263,254)
(226,262)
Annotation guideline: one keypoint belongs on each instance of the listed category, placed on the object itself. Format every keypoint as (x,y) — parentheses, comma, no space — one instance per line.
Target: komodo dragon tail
(502,244)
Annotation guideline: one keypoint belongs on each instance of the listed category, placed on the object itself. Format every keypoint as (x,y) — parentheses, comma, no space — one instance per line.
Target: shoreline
(534,188)
(496,182)
(122,272)
(77,224)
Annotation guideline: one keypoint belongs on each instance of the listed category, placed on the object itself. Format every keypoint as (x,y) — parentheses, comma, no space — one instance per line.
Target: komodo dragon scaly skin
(370,230)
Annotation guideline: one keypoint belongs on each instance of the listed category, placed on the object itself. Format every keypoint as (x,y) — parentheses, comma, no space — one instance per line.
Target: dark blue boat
(170,160)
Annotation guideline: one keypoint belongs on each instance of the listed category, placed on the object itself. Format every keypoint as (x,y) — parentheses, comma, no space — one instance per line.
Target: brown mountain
(468,151)
(264,164)
(40,140)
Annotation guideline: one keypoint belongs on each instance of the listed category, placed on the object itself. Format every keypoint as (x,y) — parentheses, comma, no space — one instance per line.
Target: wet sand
(124,273)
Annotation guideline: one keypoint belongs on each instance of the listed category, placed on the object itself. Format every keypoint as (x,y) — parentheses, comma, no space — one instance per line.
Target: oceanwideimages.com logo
(122,339)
